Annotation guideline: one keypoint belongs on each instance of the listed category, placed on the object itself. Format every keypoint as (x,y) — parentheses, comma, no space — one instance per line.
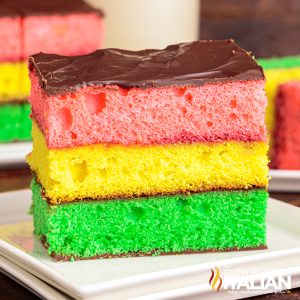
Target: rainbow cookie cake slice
(149,152)
(30,26)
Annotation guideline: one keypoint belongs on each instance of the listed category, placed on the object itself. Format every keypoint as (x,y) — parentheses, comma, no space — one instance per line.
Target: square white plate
(162,277)
(32,283)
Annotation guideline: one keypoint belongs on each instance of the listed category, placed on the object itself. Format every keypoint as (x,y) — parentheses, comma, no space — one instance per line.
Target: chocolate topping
(7,9)
(194,63)
(23,8)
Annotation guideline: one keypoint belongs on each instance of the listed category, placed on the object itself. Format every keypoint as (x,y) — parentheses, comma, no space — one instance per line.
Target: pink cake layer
(72,34)
(212,112)
(10,39)
(286,154)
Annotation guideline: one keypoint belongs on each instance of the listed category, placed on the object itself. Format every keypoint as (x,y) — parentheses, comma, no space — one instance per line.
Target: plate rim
(14,153)
(92,289)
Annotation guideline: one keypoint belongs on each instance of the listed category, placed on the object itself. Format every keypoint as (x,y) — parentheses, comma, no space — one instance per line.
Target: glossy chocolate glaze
(195,63)
(23,8)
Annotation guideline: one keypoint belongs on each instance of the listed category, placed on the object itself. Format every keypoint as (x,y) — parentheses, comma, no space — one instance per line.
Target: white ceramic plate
(32,283)
(14,153)
(163,277)
(284,181)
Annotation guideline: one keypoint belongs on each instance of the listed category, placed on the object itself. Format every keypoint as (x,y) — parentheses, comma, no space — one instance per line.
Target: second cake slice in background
(28,27)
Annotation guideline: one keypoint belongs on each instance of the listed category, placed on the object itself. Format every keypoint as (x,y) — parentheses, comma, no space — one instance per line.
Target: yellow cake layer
(111,171)
(14,81)
(274,78)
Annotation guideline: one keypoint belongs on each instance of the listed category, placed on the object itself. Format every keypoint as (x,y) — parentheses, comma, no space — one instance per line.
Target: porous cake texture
(149,152)
(209,221)
(286,153)
(30,26)
(106,171)
(214,112)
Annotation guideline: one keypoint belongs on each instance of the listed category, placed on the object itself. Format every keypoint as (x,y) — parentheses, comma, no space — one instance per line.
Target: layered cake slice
(154,151)
(286,149)
(27,27)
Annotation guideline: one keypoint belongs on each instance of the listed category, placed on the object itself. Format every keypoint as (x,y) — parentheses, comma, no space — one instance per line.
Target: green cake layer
(279,62)
(15,123)
(218,220)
